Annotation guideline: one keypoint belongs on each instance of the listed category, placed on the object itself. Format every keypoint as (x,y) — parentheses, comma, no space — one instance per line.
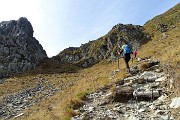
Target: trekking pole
(132,59)
(118,62)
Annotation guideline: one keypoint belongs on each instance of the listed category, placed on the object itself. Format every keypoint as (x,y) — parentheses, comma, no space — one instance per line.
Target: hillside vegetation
(74,76)
(95,51)
(165,45)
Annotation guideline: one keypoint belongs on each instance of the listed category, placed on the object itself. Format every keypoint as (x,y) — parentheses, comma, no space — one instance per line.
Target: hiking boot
(128,70)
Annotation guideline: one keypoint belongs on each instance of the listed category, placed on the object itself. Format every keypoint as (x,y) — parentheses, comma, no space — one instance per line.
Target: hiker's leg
(127,65)
(127,59)
(128,69)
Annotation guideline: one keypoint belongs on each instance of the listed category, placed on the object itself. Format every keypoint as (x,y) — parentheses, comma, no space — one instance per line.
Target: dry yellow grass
(60,106)
(15,84)
(163,47)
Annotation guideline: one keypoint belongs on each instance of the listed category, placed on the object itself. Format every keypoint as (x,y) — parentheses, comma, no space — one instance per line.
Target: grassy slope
(59,106)
(165,46)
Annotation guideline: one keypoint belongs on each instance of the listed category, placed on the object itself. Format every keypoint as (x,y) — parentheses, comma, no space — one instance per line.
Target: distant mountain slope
(165,34)
(164,22)
(136,36)
(19,50)
(94,51)
(165,44)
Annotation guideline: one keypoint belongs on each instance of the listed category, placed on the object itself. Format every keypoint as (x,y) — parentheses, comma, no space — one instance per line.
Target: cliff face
(19,50)
(94,51)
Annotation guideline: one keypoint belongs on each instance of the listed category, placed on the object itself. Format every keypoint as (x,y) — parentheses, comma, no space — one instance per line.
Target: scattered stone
(123,94)
(151,79)
(171,81)
(160,79)
(126,104)
(166,117)
(14,104)
(175,102)
(139,59)
(160,112)
(146,94)
(142,110)
(163,97)
(18,115)
(162,27)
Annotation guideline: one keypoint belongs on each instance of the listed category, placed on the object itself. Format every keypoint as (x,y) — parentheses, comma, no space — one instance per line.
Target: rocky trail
(13,105)
(141,96)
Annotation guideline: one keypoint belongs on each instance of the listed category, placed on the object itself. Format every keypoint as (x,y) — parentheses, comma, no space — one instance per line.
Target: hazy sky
(59,24)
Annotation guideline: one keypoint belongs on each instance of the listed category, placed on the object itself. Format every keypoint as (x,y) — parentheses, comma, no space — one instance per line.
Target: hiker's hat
(123,46)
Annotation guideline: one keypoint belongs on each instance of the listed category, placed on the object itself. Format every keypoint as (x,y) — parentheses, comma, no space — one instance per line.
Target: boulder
(123,94)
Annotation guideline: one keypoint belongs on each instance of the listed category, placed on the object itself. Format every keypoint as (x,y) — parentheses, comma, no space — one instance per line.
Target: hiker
(134,55)
(126,55)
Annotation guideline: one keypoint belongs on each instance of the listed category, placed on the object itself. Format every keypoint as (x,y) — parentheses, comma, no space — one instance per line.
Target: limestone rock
(105,47)
(175,102)
(123,94)
(19,50)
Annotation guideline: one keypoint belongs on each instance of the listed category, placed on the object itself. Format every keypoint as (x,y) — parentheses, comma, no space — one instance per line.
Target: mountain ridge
(97,50)
(58,87)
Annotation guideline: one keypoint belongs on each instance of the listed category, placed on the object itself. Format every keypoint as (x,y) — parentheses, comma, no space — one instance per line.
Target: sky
(59,24)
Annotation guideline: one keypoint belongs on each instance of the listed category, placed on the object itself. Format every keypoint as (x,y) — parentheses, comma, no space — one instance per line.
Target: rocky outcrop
(162,27)
(19,50)
(124,102)
(94,51)
(164,23)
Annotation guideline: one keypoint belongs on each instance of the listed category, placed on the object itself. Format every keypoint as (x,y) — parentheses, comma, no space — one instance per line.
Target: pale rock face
(93,52)
(19,50)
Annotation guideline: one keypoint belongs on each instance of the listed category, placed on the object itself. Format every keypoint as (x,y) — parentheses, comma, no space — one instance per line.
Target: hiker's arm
(121,51)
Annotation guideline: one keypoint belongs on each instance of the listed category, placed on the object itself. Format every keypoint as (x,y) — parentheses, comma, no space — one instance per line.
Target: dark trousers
(134,55)
(127,58)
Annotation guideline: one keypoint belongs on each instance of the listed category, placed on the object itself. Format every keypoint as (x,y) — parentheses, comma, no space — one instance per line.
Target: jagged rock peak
(104,47)
(19,50)
(21,27)
(122,26)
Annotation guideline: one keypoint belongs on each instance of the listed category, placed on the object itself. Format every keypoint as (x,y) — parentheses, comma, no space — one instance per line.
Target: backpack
(134,52)
(126,49)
